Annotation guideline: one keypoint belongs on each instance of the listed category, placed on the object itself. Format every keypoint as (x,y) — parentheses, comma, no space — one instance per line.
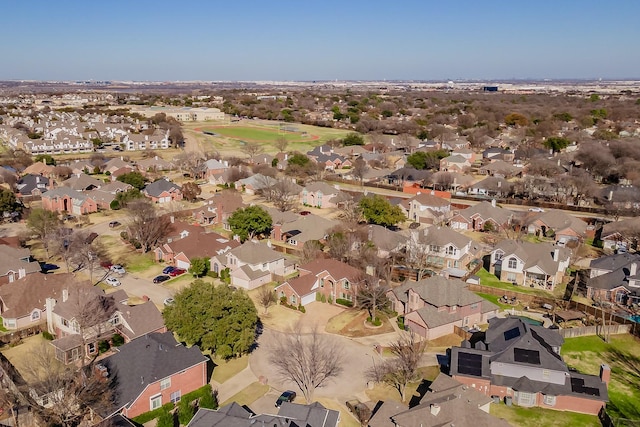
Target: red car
(177,272)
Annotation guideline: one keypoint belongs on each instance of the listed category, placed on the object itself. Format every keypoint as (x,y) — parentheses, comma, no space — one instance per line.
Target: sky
(231,40)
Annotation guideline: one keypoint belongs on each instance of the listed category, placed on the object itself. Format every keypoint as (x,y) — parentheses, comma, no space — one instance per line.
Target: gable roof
(82,181)
(13,259)
(145,361)
(487,211)
(558,221)
(428,199)
(199,243)
(251,252)
(534,254)
(384,238)
(321,186)
(337,269)
(441,236)
(156,188)
(308,227)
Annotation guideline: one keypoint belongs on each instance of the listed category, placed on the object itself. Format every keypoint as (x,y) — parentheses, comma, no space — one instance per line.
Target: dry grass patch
(354,327)
(19,354)
(382,391)
(279,318)
(248,395)
(444,342)
(339,322)
(346,418)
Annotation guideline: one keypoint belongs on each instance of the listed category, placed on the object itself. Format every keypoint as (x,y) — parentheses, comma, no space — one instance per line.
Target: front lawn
(248,395)
(226,369)
(488,279)
(539,417)
(495,299)
(622,354)
(2,328)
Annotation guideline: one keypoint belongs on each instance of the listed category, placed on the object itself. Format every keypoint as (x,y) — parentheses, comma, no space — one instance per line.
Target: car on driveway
(46,267)
(117,268)
(112,281)
(168,269)
(114,224)
(286,396)
(177,271)
(169,301)
(161,278)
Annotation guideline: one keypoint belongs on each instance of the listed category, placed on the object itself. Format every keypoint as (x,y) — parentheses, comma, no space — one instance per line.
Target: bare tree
(62,394)
(359,170)
(284,194)
(311,250)
(309,360)
(266,297)
(372,296)
(190,162)
(351,214)
(145,226)
(403,368)
(86,252)
(281,143)
(252,149)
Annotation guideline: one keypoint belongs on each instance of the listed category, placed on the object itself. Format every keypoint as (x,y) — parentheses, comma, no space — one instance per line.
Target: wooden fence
(14,336)
(594,330)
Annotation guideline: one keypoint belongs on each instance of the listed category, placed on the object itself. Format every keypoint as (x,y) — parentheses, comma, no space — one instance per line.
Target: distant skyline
(308,40)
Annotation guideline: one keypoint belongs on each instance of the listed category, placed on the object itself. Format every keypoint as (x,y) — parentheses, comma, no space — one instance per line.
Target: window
(511,277)
(474,306)
(499,255)
(175,396)
(550,400)
(525,399)
(35,315)
(346,285)
(451,250)
(292,242)
(294,300)
(165,383)
(91,348)
(322,282)
(115,320)
(264,265)
(513,263)
(155,402)
(65,322)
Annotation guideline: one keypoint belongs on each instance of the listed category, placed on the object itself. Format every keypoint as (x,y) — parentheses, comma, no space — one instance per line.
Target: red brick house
(522,363)
(64,199)
(163,191)
(323,277)
(153,370)
(218,208)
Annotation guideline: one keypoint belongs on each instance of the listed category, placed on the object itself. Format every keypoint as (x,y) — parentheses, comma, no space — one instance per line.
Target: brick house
(64,199)
(152,371)
(163,191)
(478,216)
(522,363)
(303,229)
(319,195)
(615,279)
(329,278)
(433,306)
(218,208)
(564,227)
(455,163)
(214,170)
(427,208)
(540,265)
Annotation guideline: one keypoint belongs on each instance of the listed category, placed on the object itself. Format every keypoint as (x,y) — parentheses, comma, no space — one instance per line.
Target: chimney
(556,255)
(499,183)
(21,273)
(65,295)
(172,219)
(605,373)
(435,409)
(633,269)
(277,231)
(493,202)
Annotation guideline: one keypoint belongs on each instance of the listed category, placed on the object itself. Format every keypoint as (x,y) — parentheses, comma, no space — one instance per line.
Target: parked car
(177,272)
(536,210)
(114,224)
(169,301)
(106,264)
(305,213)
(286,396)
(112,281)
(168,269)
(117,268)
(46,267)
(161,278)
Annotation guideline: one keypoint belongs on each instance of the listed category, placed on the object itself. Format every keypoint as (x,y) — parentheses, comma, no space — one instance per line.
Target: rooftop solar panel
(511,334)
(577,386)
(470,364)
(522,355)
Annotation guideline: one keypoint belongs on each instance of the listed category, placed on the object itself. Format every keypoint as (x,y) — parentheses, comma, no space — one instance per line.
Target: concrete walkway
(235,384)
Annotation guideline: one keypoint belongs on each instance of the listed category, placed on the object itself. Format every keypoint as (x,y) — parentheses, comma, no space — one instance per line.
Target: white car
(169,301)
(112,281)
(536,210)
(117,269)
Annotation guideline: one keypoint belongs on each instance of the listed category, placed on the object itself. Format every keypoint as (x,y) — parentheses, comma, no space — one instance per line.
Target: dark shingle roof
(156,188)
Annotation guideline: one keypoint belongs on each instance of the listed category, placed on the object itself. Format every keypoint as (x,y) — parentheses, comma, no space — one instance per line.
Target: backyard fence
(594,330)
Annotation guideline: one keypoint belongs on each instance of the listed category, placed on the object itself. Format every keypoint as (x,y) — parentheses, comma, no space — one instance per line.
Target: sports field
(230,137)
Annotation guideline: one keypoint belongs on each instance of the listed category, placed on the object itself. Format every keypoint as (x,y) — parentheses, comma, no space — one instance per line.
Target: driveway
(139,287)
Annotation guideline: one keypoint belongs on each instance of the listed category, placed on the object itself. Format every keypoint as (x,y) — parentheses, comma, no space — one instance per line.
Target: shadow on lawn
(628,366)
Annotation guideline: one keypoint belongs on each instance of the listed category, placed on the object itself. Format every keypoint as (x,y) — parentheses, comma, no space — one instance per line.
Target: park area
(229,138)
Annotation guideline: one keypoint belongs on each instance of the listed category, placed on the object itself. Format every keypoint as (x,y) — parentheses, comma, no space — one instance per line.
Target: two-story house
(481,217)
(163,191)
(65,199)
(433,306)
(327,278)
(303,229)
(538,265)
(521,363)
(455,163)
(218,208)
(32,185)
(15,262)
(491,186)
(152,371)
(426,208)
(441,247)
(615,279)
(253,264)
(319,194)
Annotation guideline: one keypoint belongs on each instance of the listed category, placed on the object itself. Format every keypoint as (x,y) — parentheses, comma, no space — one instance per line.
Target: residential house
(252,264)
(159,139)
(289,415)
(262,159)
(82,182)
(538,265)
(467,153)
(114,164)
(255,183)
(446,403)
(619,235)
(32,185)
(498,153)
(39,168)
(65,199)
(153,370)
(15,263)
(620,196)
(23,301)
(432,307)
(387,242)
(500,168)
(81,166)
(480,217)
(426,208)
(614,279)
(405,175)
(441,247)
(81,317)
(328,279)
(492,186)
(106,194)
(214,171)
(455,163)
(218,208)
(554,223)
(192,242)
(521,363)
(319,194)
(163,191)
(153,164)
(324,155)
(303,229)
(454,144)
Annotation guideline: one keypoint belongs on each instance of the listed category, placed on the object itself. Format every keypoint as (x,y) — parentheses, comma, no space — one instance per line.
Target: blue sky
(318,40)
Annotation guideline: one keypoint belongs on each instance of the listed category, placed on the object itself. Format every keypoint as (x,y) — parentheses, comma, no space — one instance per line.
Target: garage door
(307,299)
(164,199)
(418,329)
(182,264)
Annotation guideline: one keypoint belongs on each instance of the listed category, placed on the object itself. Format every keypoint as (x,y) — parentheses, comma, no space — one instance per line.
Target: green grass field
(253,134)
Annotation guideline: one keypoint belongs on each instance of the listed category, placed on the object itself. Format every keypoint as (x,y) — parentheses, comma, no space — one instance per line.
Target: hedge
(344,302)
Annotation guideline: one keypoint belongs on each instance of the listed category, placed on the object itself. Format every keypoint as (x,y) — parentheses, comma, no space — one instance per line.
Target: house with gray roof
(481,216)
(521,363)
(615,278)
(65,199)
(427,208)
(32,185)
(432,307)
(619,235)
(82,182)
(491,186)
(151,371)
(319,194)
(562,226)
(163,191)
(289,415)
(255,183)
(16,263)
(303,229)
(386,241)
(441,247)
(538,265)
(446,403)
(500,168)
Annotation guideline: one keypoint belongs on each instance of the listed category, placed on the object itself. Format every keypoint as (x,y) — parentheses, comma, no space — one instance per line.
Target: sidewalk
(235,384)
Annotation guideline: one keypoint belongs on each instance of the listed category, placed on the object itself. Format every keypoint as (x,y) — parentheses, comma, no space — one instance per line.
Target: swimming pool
(635,318)
(530,321)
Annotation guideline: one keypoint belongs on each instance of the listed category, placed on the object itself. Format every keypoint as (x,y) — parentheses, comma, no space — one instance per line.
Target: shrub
(323,298)
(208,400)
(302,309)
(117,340)
(47,336)
(283,300)
(166,419)
(213,274)
(344,302)
(375,322)
(185,411)
(152,415)
(401,322)
(103,346)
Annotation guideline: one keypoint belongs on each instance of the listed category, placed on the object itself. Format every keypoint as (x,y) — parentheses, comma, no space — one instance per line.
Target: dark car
(114,224)
(287,396)
(305,213)
(168,269)
(161,278)
(177,272)
(46,267)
